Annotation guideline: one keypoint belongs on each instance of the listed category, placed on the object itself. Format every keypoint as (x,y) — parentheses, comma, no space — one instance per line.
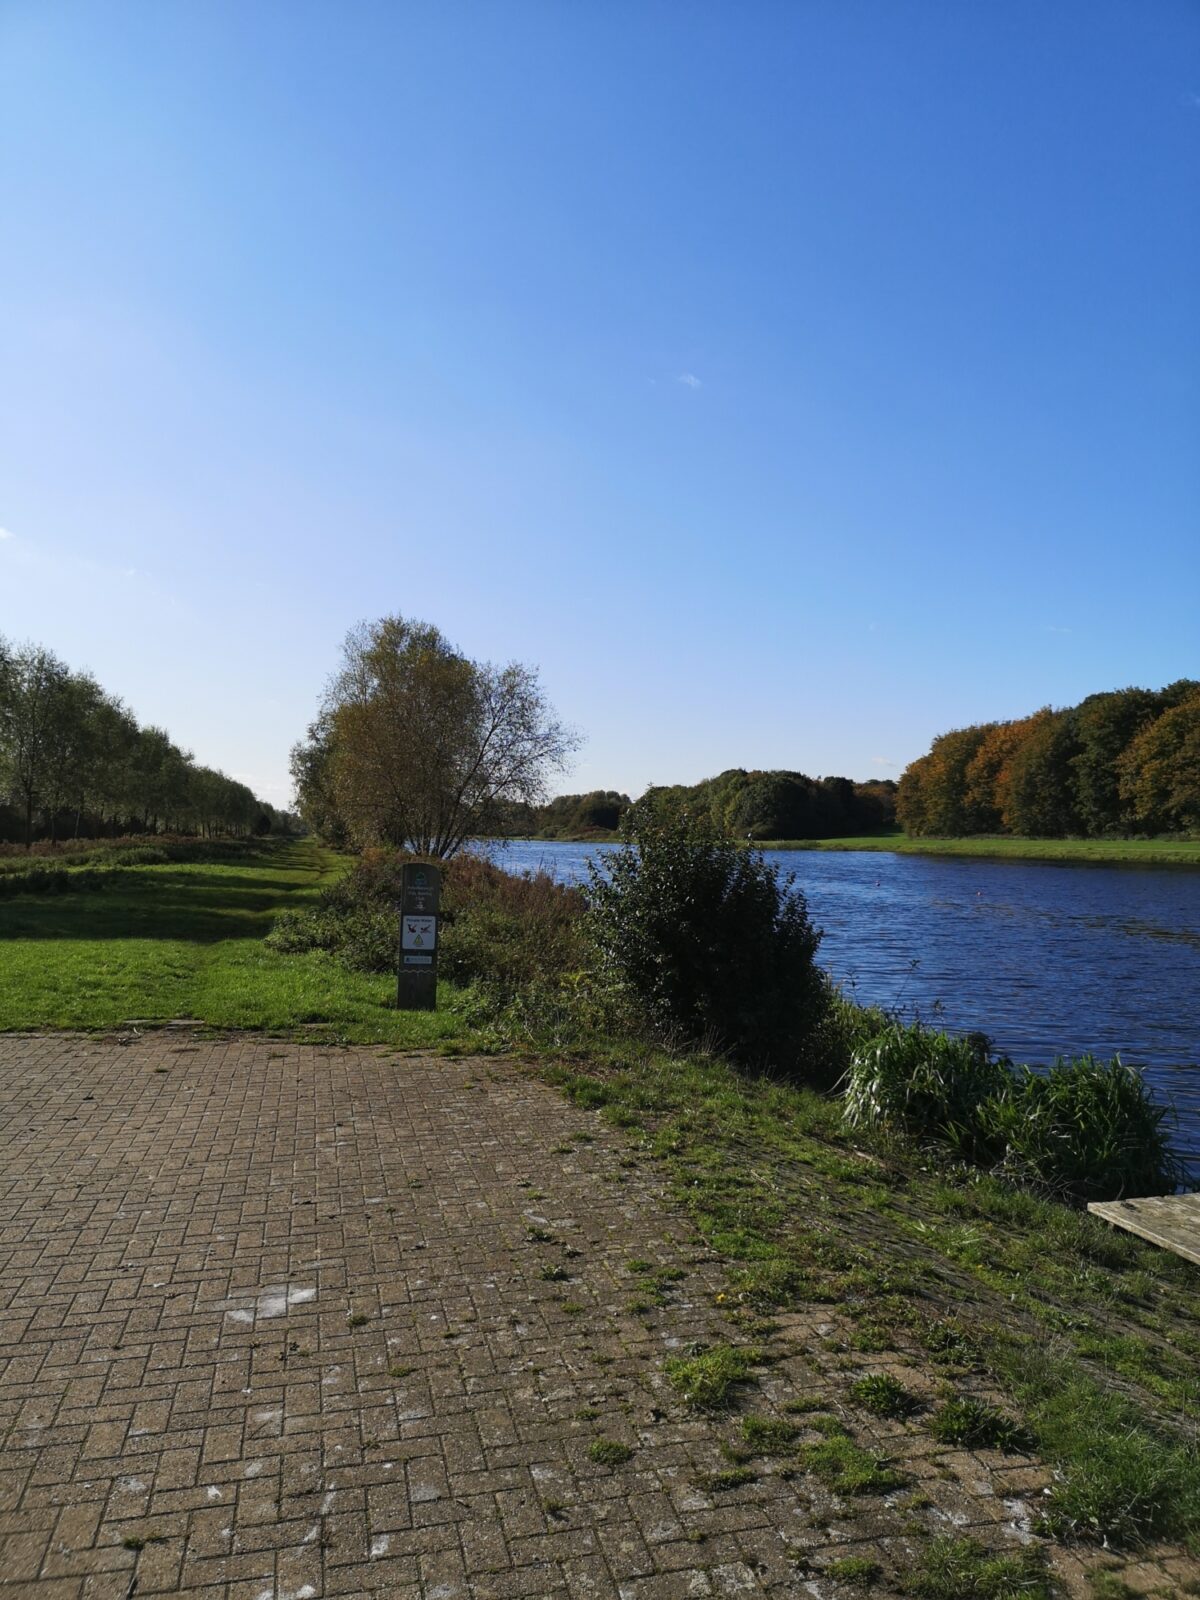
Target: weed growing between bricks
(944,1272)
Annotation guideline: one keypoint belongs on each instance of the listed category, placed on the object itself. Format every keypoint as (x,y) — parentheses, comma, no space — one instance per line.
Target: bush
(926,1086)
(709,942)
(1083,1130)
(495,928)
(1086,1129)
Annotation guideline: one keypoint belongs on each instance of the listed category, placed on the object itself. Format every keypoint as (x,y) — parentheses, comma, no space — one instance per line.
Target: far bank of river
(1045,957)
(1125,852)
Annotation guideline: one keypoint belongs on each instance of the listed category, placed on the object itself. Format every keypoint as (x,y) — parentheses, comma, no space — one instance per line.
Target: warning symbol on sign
(418,933)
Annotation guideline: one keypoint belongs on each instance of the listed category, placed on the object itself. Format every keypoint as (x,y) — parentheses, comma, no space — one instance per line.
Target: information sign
(416,970)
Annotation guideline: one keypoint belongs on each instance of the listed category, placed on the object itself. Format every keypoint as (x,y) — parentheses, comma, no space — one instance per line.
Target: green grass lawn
(1139,852)
(158,943)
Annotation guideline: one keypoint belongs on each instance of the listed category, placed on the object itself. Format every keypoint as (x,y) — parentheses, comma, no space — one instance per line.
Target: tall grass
(1083,1130)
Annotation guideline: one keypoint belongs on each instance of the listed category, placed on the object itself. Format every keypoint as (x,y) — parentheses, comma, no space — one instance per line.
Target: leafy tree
(1104,725)
(69,750)
(427,747)
(1038,794)
(912,811)
(709,942)
(989,772)
(312,767)
(569,815)
(937,803)
(34,683)
(1160,771)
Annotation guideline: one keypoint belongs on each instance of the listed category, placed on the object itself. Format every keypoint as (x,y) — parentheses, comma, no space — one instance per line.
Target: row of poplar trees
(73,759)
(1124,763)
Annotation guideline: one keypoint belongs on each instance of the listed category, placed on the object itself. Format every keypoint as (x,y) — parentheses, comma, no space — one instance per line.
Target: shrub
(1083,1130)
(1086,1129)
(507,931)
(495,928)
(709,943)
(925,1085)
(136,855)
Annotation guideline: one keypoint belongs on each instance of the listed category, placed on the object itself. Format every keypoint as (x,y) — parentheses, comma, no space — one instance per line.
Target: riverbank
(927,1285)
(1129,852)
(996,847)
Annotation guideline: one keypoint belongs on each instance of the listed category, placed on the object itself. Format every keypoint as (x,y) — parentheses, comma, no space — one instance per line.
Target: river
(1046,958)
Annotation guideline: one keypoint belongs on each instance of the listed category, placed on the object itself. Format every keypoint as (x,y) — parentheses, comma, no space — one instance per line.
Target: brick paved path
(280,1322)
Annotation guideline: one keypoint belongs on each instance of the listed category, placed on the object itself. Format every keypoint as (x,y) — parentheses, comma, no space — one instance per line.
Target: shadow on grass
(196,919)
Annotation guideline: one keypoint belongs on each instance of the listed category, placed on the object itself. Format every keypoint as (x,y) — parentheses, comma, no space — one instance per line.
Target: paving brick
(190,1403)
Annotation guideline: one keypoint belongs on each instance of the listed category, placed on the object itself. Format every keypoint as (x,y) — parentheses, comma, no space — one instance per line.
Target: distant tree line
(757,805)
(569,816)
(739,804)
(75,762)
(1118,764)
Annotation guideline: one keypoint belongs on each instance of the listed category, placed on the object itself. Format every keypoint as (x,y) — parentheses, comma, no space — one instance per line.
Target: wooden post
(416,965)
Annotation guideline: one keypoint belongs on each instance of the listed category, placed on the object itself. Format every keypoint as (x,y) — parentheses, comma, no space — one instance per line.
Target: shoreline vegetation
(997,847)
(983,1313)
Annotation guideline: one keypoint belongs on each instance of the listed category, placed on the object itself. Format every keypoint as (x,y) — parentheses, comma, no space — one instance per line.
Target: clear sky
(788,382)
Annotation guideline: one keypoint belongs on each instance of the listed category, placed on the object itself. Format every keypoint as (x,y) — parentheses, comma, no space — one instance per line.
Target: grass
(883,1396)
(184,940)
(858,1570)
(770,1436)
(1137,852)
(961,1569)
(725,1480)
(1088,1337)
(847,1469)
(608,1452)
(707,1381)
(971,1422)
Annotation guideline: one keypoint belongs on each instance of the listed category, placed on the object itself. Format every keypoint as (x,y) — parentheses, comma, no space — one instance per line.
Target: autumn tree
(935,803)
(1038,794)
(989,772)
(426,747)
(1160,771)
(1105,724)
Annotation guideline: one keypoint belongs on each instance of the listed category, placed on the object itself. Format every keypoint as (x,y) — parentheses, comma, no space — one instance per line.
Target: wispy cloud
(1050,628)
(881,761)
(6,533)
(690,380)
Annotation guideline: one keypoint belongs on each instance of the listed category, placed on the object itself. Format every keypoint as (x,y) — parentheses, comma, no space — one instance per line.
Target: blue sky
(788,382)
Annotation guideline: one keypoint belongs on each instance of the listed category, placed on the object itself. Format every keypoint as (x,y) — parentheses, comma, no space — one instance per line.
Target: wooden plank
(1169,1220)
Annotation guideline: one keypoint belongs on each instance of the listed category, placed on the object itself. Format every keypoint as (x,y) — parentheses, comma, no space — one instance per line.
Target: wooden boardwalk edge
(1171,1221)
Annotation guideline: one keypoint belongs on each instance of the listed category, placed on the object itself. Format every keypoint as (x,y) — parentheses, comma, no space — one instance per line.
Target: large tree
(33,689)
(1160,771)
(424,747)
(1105,725)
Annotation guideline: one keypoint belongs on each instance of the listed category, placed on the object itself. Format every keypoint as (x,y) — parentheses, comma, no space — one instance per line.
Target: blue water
(1046,958)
